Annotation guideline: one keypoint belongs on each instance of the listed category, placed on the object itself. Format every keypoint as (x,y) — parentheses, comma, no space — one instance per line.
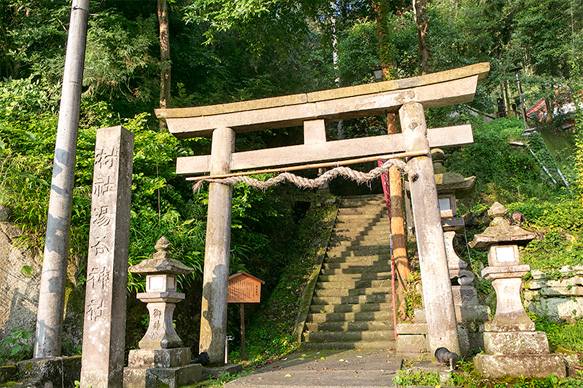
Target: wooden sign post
(244,288)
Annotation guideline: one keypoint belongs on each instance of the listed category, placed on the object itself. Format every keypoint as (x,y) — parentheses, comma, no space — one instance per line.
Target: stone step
(346,230)
(349,326)
(342,292)
(355,206)
(361,220)
(361,235)
(369,210)
(365,213)
(350,308)
(375,203)
(359,250)
(352,299)
(349,229)
(356,247)
(354,261)
(349,336)
(376,268)
(412,328)
(350,317)
(356,201)
(355,277)
(360,223)
(348,345)
(356,284)
(344,241)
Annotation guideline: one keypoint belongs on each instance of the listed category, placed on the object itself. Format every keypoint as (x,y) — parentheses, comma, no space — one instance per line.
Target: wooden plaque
(244,288)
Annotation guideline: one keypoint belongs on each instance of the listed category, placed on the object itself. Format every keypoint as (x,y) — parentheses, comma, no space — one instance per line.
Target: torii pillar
(213,320)
(437,294)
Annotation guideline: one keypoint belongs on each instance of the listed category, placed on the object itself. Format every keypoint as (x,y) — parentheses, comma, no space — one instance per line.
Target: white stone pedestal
(513,347)
(157,368)
(531,365)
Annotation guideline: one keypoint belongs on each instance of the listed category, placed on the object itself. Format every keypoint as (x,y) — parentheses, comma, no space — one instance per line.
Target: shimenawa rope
(305,183)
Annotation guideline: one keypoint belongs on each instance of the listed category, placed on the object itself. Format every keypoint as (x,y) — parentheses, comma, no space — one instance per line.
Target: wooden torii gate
(312,110)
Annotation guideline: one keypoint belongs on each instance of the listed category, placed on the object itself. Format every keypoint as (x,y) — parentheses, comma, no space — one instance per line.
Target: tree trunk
(549,106)
(398,237)
(507,95)
(164,57)
(381,9)
(334,7)
(421,20)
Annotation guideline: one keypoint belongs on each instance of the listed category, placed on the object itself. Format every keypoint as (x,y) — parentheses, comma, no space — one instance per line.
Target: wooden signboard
(244,288)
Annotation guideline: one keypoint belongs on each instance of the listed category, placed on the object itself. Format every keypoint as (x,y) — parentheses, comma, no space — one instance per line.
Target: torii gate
(407,96)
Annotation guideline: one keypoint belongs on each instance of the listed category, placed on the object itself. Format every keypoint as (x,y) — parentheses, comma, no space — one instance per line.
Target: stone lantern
(450,187)
(512,345)
(161,360)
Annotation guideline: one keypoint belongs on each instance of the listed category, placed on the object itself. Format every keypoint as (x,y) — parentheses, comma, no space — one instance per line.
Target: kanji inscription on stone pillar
(107,262)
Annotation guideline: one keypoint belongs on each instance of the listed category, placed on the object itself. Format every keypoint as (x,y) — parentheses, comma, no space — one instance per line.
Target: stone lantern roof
(500,231)
(161,262)
(450,182)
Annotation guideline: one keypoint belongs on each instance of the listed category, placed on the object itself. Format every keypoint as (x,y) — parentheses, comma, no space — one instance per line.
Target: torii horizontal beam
(325,151)
(432,90)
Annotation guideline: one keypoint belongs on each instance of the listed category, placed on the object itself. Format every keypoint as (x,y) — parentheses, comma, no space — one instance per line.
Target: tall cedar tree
(164,57)
(422,22)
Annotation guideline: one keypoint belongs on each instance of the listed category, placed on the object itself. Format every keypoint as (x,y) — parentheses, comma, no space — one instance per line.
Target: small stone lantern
(512,345)
(161,296)
(161,359)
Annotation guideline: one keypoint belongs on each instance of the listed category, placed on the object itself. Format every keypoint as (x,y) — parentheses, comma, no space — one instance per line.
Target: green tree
(120,65)
(32,37)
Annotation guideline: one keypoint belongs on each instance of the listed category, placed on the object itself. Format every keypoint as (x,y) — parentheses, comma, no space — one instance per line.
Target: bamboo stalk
(315,165)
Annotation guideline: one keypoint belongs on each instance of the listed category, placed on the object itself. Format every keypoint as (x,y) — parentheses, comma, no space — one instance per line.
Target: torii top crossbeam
(313,109)
(432,90)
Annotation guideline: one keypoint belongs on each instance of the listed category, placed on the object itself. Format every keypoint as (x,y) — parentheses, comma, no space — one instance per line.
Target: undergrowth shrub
(162,202)
(504,173)
(16,346)
(555,250)
(558,222)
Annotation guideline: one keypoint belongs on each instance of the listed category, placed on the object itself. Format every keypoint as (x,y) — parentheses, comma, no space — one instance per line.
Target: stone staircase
(351,306)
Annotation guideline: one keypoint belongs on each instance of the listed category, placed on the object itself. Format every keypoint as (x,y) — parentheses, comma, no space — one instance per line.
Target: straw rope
(305,183)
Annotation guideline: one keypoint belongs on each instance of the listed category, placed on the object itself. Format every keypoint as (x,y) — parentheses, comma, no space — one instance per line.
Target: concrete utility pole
(51,304)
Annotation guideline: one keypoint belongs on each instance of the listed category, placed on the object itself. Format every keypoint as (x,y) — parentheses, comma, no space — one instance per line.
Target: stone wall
(20,272)
(556,294)
(19,288)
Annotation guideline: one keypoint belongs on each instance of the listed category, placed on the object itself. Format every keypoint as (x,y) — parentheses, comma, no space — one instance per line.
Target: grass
(563,336)
(466,377)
